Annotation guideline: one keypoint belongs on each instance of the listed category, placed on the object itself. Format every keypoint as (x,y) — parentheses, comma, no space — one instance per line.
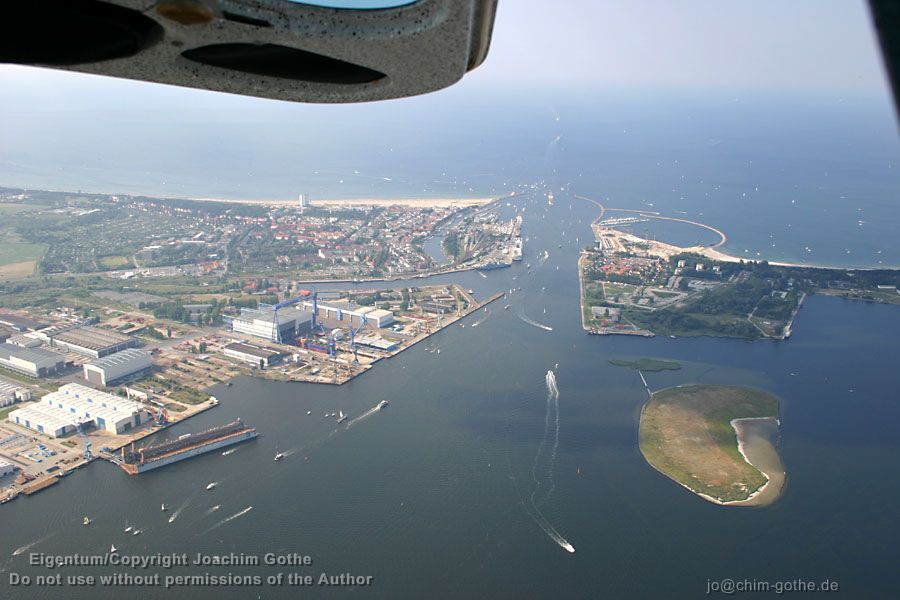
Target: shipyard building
(6,468)
(59,413)
(292,322)
(116,367)
(10,393)
(251,355)
(92,341)
(352,314)
(30,361)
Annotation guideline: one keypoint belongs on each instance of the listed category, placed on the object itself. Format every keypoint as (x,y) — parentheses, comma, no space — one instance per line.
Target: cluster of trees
(771,307)
(451,245)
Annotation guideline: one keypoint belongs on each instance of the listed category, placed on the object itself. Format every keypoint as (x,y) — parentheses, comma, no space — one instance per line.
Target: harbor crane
(304,295)
(353,332)
(84,439)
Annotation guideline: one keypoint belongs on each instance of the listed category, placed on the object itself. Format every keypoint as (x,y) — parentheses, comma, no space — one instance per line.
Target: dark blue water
(430,495)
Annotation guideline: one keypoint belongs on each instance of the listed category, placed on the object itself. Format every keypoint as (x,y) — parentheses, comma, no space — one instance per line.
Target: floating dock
(134,461)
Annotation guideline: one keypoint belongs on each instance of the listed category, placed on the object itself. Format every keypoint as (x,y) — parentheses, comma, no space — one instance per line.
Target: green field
(686,434)
(114,262)
(16,252)
(12,209)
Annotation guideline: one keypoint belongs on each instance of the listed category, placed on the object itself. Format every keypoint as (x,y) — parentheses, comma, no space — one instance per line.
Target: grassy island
(649,365)
(687,434)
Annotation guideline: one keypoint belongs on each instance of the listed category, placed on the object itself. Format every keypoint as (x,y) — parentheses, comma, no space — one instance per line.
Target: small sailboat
(86,521)
(163,507)
(112,549)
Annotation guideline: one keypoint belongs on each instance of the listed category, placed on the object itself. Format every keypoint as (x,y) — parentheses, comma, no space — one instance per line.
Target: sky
(755,45)
(765,46)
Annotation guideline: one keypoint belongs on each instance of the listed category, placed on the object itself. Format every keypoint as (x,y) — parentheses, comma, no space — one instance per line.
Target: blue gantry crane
(353,332)
(84,439)
(304,295)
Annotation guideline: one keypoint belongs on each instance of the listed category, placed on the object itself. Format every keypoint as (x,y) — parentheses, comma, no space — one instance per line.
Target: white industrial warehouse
(59,412)
(250,354)
(6,468)
(292,322)
(30,361)
(10,393)
(115,367)
(342,309)
(92,341)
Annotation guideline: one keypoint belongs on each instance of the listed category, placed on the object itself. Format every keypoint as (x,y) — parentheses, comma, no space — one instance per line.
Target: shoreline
(755,498)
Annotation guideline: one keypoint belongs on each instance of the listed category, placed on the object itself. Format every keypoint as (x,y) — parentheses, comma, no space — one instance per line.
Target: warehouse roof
(33,355)
(20,322)
(119,358)
(46,416)
(92,338)
(251,350)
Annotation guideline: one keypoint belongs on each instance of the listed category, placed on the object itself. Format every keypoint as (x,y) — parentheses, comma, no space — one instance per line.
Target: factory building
(10,393)
(92,341)
(6,468)
(376,342)
(20,323)
(250,354)
(43,419)
(107,411)
(292,323)
(437,308)
(30,361)
(347,312)
(23,340)
(115,367)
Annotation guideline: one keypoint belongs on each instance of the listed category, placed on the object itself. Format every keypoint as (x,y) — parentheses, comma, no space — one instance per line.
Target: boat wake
(481,320)
(28,547)
(240,513)
(534,323)
(551,429)
(363,416)
(178,510)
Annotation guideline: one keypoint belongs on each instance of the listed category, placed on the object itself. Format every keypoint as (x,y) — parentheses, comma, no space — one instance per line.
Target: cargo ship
(134,461)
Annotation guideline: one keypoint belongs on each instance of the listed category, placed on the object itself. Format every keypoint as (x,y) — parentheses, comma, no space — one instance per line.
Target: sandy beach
(755,445)
(355,202)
